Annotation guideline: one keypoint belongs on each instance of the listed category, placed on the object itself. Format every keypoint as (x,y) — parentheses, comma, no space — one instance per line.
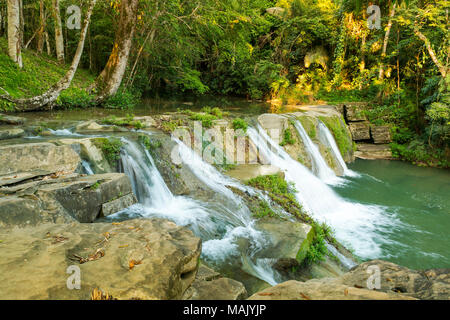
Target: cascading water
(319,165)
(226,228)
(87,167)
(328,139)
(354,224)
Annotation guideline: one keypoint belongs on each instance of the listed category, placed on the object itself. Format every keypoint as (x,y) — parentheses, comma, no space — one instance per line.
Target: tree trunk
(442,68)
(59,38)
(40,35)
(14,36)
(111,77)
(49,97)
(386,40)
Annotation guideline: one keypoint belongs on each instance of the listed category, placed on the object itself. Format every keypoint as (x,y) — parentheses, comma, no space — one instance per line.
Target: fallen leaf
(357,286)
(346,292)
(389,279)
(124,246)
(265,294)
(304,296)
(134,263)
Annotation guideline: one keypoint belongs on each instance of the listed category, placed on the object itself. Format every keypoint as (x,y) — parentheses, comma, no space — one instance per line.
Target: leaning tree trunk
(443,69)
(49,97)
(386,40)
(59,38)
(14,36)
(111,77)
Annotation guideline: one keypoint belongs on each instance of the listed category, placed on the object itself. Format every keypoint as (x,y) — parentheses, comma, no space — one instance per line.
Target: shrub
(239,123)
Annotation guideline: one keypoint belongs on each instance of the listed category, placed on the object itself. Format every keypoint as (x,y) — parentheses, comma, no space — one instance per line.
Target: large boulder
(65,198)
(11,133)
(290,241)
(137,259)
(322,289)
(37,156)
(373,151)
(209,285)
(431,284)
(360,130)
(381,134)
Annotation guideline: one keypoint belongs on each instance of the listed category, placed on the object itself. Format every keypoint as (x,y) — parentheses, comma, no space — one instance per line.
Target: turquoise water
(417,202)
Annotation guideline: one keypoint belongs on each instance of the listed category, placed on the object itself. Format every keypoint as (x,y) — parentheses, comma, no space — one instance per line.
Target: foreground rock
(137,259)
(64,198)
(396,283)
(373,151)
(209,285)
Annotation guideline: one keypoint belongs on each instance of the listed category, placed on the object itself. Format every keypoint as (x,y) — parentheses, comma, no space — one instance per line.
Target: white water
(226,228)
(87,167)
(354,224)
(319,165)
(328,139)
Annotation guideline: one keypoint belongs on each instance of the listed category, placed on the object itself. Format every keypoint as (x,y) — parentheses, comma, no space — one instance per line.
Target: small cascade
(354,224)
(64,132)
(319,165)
(87,167)
(226,227)
(329,140)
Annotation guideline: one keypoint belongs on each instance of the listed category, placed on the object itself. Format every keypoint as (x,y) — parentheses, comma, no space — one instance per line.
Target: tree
(111,77)
(59,38)
(14,35)
(49,97)
(386,39)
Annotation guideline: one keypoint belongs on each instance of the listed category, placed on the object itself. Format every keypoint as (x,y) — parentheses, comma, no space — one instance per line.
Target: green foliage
(123,122)
(239,123)
(281,193)
(340,133)
(287,138)
(262,209)
(206,119)
(171,125)
(111,148)
(149,144)
(123,99)
(318,250)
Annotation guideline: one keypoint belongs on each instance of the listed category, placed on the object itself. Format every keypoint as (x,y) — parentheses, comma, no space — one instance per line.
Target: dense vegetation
(287,51)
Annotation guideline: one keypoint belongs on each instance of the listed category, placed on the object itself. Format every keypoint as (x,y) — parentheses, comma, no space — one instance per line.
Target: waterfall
(354,224)
(319,165)
(226,227)
(328,139)
(87,167)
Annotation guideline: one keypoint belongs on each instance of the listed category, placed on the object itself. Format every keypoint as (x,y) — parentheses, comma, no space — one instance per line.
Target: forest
(288,52)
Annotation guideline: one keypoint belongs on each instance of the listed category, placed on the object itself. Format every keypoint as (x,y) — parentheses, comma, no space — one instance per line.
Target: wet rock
(11,133)
(37,156)
(6,119)
(360,130)
(373,151)
(137,259)
(15,211)
(381,134)
(323,289)
(93,127)
(118,204)
(89,151)
(290,241)
(432,284)
(274,125)
(355,112)
(146,121)
(209,285)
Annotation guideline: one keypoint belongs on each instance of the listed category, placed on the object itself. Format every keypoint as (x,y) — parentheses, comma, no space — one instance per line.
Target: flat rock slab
(136,259)
(6,134)
(360,130)
(355,112)
(209,285)
(381,134)
(37,156)
(6,119)
(373,151)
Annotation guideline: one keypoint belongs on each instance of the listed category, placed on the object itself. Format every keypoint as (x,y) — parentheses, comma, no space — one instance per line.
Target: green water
(417,200)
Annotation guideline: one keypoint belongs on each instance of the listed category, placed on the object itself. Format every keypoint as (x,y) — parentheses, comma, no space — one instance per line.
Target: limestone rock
(136,259)
(322,289)
(93,127)
(290,241)
(276,11)
(354,112)
(360,130)
(274,125)
(11,133)
(146,121)
(373,151)
(381,134)
(64,199)
(6,119)
(37,156)
(429,285)
(209,285)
